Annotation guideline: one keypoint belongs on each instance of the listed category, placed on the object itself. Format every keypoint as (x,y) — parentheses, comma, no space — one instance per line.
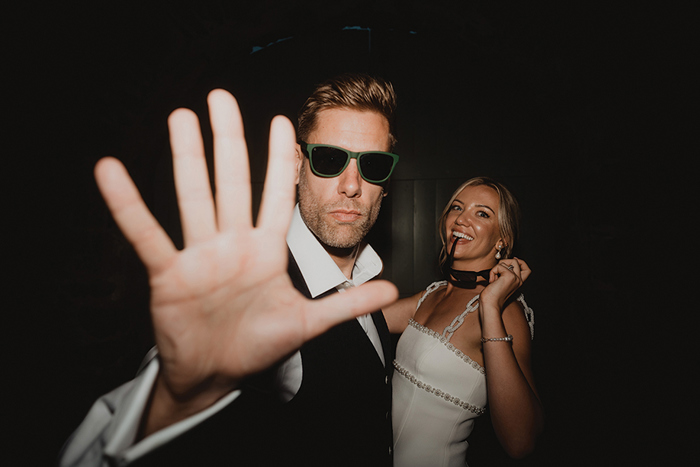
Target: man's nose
(350,181)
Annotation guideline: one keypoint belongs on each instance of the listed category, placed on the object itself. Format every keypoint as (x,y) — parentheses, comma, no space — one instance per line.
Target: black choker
(462,279)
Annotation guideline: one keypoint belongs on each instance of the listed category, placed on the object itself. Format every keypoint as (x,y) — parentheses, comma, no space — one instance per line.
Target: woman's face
(472,221)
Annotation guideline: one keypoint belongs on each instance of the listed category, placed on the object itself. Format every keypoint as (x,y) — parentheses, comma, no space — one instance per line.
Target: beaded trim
(438,392)
(447,344)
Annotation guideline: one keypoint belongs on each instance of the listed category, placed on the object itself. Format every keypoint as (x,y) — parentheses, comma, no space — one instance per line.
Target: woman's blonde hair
(508,215)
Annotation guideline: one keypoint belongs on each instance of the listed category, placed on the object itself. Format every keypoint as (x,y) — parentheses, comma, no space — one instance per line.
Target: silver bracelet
(508,338)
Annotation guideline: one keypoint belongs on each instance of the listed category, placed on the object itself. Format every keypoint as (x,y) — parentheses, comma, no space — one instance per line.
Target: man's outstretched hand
(223,307)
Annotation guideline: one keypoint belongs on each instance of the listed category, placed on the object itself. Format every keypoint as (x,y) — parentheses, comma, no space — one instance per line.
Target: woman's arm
(516,411)
(398,313)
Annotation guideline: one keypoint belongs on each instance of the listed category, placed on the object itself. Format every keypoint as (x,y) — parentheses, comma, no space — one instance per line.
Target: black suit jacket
(342,411)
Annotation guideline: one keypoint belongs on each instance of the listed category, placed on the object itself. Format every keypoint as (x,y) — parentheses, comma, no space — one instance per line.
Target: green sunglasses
(330,161)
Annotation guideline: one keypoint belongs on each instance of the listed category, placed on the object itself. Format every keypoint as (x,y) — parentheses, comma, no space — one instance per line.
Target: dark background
(582,110)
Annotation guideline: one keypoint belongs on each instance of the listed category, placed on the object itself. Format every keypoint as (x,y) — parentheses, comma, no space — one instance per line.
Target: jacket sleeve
(107,435)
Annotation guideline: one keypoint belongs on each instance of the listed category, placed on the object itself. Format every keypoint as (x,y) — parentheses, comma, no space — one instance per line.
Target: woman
(465,340)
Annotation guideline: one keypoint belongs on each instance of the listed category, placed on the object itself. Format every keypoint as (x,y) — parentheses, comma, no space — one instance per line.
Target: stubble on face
(329,231)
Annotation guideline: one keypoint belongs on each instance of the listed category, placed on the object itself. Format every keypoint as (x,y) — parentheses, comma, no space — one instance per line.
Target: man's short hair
(355,91)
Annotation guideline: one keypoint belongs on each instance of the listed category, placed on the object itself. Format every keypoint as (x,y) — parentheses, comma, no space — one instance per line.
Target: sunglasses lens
(328,161)
(376,167)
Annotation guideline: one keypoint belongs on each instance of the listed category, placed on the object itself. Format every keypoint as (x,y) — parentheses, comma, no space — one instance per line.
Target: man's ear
(299,163)
(385,188)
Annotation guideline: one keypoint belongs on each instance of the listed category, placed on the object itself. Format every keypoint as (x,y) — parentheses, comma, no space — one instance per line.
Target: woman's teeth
(461,235)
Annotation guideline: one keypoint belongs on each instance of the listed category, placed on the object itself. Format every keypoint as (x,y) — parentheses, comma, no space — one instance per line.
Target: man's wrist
(166,407)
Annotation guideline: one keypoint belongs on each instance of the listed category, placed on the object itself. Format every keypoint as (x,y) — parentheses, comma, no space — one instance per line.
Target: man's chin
(342,236)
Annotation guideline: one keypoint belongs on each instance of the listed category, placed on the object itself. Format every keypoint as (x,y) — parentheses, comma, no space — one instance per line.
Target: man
(224,308)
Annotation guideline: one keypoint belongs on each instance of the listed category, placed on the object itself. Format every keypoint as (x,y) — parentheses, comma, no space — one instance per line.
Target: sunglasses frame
(308,148)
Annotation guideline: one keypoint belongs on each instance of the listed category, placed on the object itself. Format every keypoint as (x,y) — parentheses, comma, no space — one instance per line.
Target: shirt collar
(318,269)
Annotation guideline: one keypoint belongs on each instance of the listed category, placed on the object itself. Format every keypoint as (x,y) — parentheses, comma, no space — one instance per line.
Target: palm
(224,307)
(205,297)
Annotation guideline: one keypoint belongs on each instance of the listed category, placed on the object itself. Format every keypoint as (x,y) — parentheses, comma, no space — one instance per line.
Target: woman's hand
(504,279)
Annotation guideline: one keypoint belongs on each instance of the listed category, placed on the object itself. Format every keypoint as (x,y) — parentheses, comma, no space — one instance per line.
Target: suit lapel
(384,336)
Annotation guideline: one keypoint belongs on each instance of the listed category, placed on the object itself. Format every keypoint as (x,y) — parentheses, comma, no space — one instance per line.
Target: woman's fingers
(525,270)
(508,266)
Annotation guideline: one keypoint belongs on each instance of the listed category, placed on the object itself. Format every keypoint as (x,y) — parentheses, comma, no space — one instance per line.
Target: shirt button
(386,380)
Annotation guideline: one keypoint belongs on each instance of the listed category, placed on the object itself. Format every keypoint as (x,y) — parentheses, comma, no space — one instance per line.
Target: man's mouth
(345,215)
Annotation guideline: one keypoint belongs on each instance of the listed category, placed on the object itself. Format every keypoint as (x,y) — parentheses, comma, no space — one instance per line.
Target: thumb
(337,308)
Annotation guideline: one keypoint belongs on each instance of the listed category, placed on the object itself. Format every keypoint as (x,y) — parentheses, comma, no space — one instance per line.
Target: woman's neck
(453,288)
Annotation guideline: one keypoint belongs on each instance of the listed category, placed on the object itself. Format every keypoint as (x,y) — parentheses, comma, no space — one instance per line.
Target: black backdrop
(581,110)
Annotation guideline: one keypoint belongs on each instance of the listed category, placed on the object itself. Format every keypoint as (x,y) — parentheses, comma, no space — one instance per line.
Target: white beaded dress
(438,391)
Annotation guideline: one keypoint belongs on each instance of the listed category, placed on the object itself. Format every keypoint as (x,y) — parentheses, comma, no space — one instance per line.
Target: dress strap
(431,288)
(529,315)
(473,305)
(457,322)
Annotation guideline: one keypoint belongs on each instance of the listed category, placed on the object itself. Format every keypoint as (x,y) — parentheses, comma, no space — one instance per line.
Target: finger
(504,267)
(494,273)
(148,238)
(279,192)
(525,270)
(334,309)
(191,177)
(514,266)
(233,198)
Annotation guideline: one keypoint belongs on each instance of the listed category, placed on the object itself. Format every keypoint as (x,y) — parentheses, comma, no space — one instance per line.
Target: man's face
(341,210)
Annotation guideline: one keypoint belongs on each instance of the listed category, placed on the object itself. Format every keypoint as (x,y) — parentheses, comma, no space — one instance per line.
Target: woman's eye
(456,207)
(483,214)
